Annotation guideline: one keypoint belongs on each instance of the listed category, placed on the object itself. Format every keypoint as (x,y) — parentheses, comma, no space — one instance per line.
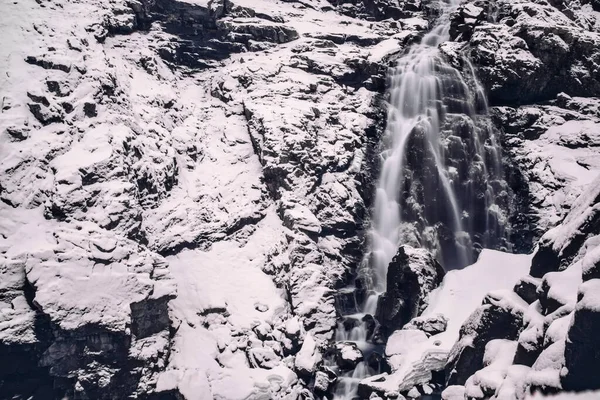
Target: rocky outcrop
(132,164)
(582,356)
(500,317)
(412,275)
(561,245)
(549,321)
(532,53)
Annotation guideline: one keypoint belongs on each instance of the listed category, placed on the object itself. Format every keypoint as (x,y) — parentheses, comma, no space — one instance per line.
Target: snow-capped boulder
(308,358)
(500,317)
(347,355)
(582,357)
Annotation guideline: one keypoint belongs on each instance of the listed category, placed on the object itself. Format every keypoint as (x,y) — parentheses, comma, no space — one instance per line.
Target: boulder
(499,317)
(324,381)
(412,275)
(347,355)
(430,325)
(582,348)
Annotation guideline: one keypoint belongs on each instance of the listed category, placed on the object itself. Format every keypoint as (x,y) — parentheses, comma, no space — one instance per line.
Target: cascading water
(440,185)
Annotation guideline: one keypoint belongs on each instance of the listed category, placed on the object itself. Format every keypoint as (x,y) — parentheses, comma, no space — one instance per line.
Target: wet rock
(347,355)
(412,275)
(378,363)
(351,323)
(324,381)
(370,324)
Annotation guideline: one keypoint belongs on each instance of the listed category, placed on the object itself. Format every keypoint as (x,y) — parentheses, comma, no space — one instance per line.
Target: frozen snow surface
(185,185)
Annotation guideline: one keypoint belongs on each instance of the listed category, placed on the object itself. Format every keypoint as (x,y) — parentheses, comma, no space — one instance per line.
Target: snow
(226,287)
(403,340)
(463,290)
(460,293)
(308,356)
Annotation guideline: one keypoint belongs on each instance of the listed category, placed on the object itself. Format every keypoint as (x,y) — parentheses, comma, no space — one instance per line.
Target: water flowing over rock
(204,199)
(441,184)
(440,188)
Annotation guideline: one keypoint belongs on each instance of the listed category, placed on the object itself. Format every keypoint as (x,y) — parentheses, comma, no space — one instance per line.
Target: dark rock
(46,115)
(150,316)
(582,351)
(18,133)
(464,21)
(370,324)
(89,109)
(500,317)
(378,363)
(351,323)
(411,276)
(48,63)
(526,288)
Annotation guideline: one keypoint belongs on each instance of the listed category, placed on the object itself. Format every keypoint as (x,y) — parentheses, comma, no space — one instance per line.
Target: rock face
(412,275)
(185,186)
(534,51)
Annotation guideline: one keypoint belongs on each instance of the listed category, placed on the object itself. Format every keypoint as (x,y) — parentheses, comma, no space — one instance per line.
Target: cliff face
(185,185)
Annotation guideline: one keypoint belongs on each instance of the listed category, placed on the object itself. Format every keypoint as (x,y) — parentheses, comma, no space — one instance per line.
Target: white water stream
(421,85)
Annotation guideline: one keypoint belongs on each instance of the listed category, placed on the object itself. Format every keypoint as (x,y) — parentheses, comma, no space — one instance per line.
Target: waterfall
(440,185)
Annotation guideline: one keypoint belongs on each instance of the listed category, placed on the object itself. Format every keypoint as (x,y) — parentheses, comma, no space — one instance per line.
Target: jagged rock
(324,381)
(430,325)
(263,357)
(500,317)
(347,355)
(517,62)
(560,246)
(412,275)
(464,21)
